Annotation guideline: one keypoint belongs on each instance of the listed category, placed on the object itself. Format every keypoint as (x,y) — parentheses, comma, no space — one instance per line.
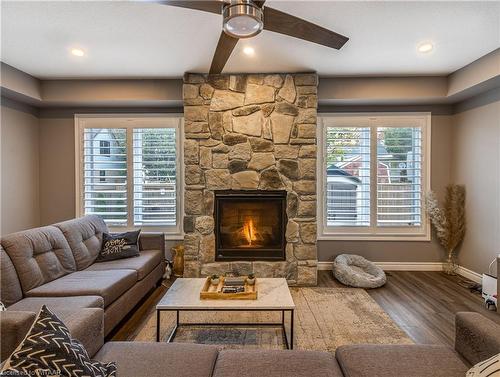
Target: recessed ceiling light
(77,52)
(248,51)
(425,47)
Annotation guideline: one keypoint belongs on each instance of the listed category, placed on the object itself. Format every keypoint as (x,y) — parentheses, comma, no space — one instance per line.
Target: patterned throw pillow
(2,307)
(49,350)
(118,246)
(486,368)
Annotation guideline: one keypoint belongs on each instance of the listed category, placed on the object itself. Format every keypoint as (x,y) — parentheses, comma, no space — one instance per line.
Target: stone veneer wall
(251,132)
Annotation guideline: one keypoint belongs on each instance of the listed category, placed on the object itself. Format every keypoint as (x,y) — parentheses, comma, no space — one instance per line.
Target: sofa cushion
(33,304)
(85,325)
(49,348)
(119,246)
(143,264)
(13,327)
(40,255)
(275,363)
(476,337)
(109,285)
(84,236)
(159,359)
(413,360)
(11,287)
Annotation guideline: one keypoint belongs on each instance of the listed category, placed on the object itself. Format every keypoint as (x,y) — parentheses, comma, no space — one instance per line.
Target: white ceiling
(146,40)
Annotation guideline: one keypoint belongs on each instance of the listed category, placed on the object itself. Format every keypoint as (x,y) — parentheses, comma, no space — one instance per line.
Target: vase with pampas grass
(448,222)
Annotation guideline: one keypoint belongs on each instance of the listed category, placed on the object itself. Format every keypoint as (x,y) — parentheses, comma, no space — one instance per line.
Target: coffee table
(184,296)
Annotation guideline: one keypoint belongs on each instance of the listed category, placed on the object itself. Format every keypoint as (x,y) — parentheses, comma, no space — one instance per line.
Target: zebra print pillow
(486,368)
(49,350)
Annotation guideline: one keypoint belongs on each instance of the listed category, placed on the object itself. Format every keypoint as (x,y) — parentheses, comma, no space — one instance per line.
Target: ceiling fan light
(242,19)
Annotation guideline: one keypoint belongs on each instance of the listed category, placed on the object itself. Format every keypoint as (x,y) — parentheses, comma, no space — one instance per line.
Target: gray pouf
(356,271)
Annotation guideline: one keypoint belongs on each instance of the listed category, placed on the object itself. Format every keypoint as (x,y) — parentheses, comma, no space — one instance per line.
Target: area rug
(325,318)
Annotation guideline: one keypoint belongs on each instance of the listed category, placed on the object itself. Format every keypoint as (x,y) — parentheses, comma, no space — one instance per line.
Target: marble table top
(184,294)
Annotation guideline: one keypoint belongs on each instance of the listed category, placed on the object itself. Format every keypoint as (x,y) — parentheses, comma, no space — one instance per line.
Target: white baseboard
(396,266)
(469,274)
(415,266)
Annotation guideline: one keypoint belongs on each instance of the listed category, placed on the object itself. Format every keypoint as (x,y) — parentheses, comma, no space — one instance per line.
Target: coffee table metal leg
(283,327)
(291,329)
(174,331)
(158,325)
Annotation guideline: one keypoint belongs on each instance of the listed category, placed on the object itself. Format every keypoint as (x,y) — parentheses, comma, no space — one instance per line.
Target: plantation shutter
(155,199)
(105,174)
(399,176)
(348,176)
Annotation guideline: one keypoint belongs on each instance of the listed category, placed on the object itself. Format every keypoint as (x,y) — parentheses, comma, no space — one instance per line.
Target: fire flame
(249,231)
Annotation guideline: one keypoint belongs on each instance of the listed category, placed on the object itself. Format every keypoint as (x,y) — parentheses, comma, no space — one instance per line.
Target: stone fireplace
(250,175)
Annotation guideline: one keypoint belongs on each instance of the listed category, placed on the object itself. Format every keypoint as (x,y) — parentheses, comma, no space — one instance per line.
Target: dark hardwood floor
(422,303)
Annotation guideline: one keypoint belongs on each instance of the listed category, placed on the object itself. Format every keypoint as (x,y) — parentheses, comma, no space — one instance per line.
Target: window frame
(129,122)
(373,232)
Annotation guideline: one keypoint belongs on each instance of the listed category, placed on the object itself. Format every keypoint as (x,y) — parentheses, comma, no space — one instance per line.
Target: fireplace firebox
(250,225)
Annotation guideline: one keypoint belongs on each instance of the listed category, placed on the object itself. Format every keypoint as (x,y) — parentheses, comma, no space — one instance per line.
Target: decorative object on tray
(178,255)
(229,288)
(449,222)
(251,279)
(214,280)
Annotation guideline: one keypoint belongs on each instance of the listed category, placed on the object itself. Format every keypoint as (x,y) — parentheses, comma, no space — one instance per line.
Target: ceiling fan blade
(259,3)
(284,23)
(225,47)
(212,6)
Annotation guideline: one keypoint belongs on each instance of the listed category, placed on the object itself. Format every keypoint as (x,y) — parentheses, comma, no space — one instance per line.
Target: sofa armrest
(152,241)
(14,325)
(476,337)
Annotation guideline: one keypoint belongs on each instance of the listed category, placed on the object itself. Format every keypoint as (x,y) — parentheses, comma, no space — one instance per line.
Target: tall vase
(450,266)
(178,252)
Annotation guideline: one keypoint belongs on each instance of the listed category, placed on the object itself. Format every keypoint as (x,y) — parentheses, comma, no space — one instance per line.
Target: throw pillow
(2,307)
(49,350)
(486,368)
(118,246)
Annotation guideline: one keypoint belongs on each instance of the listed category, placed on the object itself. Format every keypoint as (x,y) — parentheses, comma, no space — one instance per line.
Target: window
(129,170)
(105,148)
(374,173)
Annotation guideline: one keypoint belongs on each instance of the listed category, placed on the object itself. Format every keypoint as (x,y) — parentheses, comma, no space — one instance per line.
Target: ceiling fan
(247,18)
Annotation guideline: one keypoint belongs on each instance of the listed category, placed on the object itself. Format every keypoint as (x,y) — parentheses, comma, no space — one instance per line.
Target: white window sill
(375,237)
(170,236)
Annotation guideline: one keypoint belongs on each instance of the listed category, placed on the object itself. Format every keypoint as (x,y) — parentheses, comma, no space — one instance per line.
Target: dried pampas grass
(449,221)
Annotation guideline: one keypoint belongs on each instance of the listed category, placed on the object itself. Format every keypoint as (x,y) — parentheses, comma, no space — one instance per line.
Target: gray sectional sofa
(54,265)
(477,338)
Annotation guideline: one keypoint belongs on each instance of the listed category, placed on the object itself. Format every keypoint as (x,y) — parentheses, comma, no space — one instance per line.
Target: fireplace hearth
(250,225)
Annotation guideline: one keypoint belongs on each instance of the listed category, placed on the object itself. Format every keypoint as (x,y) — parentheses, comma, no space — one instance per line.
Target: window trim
(372,232)
(129,121)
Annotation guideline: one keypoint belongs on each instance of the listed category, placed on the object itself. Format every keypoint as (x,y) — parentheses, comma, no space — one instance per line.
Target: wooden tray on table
(214,292)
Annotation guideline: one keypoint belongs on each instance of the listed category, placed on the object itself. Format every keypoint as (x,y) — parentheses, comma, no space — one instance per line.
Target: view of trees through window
(106,180)
(154,176)
(351,176)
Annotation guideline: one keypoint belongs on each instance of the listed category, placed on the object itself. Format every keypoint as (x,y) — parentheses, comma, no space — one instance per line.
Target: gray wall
(406,251)
(19,134)
(476,164)
(57,159)
(57,169)
(462,146)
